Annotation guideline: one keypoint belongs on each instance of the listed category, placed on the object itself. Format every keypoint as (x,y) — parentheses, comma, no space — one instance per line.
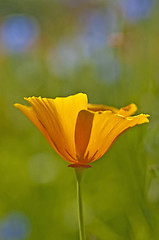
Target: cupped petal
(58,117)
(114,126)
(29,112)
(124,111)
(101,107)
(88,133)
(82,133)
(119,128)
(128,110)
(105,128)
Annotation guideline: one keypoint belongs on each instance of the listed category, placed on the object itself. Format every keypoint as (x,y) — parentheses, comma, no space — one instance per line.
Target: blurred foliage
(121,190)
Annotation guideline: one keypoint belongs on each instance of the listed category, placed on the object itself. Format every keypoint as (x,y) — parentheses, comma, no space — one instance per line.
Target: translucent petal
(29,112)
(100,130)
(124,111)
(58,117)
(83,132)
(128,110)
(101,107)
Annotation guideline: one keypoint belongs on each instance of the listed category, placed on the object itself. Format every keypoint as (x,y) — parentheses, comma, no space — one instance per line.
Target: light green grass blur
(121,190)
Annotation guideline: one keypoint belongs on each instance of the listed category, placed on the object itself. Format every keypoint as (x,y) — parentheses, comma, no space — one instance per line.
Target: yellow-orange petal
(128,110)
(58,117)
(29,112)
(101,107)
(124,111)
(105,128)
(123,125)
(82,133)
(92,135)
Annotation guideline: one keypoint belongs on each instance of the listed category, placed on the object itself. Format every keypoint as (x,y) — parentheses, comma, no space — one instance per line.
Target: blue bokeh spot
(19,32)
(14,226)
(137,9)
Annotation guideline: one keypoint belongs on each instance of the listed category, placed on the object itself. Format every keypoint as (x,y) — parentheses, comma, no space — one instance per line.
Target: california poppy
(79,132)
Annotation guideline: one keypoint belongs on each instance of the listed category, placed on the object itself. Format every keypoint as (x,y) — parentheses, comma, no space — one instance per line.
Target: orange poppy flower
(79,132)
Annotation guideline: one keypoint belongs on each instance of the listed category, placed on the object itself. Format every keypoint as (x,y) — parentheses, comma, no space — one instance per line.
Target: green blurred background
(109,50)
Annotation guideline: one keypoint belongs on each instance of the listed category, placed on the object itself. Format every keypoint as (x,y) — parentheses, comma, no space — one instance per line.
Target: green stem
(79,172)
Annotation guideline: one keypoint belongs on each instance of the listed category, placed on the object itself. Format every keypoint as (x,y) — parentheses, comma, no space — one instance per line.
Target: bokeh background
(109,50)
